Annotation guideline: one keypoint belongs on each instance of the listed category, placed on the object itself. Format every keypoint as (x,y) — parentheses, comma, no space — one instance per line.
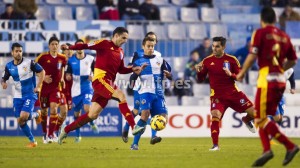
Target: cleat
(265,157)
(214,148)
(134,147)
(31,144)
(77,139)
(155,140)
(95,129)
(45,139)
(125,136)
(62,134)
(38,119)
(290,155)
(249,125)
(54,138)
(137,129)
(50,139)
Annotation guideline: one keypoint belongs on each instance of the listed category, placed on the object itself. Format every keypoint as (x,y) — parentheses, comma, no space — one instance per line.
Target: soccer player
(80,68)
(109,62)
(51,95)
(135,83)
(151,90)
(222,69)
(23,72)
(275,53)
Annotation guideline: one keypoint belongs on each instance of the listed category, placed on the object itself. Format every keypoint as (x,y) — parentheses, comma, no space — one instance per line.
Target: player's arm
(235,69)
(5,77)
(123,69)
(40,72)
(247,64)
(92,46)
(134,58)
(166,69)
(92,71)
(202,71)
(292,83)
(132,79)
(69,72)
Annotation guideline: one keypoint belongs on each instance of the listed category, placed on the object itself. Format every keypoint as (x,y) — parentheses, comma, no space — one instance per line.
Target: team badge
(143,101)
(48,61)
(25,69)
(59,64)
(226,64)
(137,102)
(242,101)
(158,63)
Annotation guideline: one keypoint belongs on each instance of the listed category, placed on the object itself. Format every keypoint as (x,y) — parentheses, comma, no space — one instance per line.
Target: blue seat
(159,30)
(240,18)
(76,2)
(176,31)
(189,14)
(84,13)
(136,32)
(168,14)
(55,2)
(180,2)
(209,14)
(63,13)
(43,13)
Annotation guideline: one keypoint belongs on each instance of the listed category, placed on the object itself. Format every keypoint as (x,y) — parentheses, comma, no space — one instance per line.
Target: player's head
(267,15)
(17,51)
(68,52)
(79,41)
(120,36)
(53,44)
(152,35)
(218,45)
(148,45)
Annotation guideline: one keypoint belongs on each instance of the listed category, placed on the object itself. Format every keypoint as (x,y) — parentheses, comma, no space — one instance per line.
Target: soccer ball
(158,122)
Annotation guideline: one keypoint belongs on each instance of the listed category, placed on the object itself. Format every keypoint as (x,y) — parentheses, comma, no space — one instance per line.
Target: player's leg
(248,119)
(87,101)
(44,104)
(63,107)
(280,111)
(77,113)
(142,124)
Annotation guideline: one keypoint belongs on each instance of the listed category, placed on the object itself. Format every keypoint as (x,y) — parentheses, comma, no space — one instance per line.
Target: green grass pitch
(113,152)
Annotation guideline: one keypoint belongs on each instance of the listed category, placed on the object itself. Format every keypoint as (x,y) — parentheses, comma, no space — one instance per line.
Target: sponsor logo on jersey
(212,63)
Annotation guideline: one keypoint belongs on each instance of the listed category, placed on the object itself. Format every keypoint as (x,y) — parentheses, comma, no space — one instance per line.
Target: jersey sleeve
(99,44)
(5,75)
(134,58)
(69,68)
(235,68)
(255,42)
(202,74)
(36,67)
(166,67)
(123,69)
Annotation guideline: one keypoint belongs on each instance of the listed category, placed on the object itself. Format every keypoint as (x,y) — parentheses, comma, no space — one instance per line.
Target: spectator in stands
(197,3)
(190,71)
(27,8)
(288,15)
(149,10)
(204,49)
(273,3)
(241,55)
(107,10)
(294,3)
(129,10)
(11,14)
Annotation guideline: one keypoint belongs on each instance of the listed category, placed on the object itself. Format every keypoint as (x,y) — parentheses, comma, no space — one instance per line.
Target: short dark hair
(53,38)
(8,5)
(148,39)
(220,39)
(152,33)
(268,15)
(14,45)
(120,30)
(79,41)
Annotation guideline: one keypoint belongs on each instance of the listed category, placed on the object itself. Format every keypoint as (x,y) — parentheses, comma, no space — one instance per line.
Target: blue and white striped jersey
(151,77)
(80,70)
(137,55)
(23,75)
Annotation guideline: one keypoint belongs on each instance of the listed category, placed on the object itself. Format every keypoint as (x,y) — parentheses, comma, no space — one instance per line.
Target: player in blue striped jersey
(151,89)
(80,70)
(23,72)
(135,84)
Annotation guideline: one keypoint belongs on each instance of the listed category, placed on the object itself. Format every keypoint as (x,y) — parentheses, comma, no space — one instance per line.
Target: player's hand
(48,79)
(37,89)
(292,91)
(63,84)
(227,71)
(167,74)
(68,77)
(4,85)
(64,47)
(90,78)
(240,76)
(130,66)
(199,66)
(139,69)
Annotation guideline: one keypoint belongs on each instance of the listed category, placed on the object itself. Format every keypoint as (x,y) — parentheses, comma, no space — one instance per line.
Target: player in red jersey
(50,95)
(275,53)
(109,62)
(222,69)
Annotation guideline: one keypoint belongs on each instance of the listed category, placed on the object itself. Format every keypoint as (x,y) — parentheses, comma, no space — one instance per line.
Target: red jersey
(272,46)
(109,59)
(220,83)
(53,66)
(68,86)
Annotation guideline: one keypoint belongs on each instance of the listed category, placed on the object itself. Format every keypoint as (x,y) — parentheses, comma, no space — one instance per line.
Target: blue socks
(137,137)
(27,132)
(77,131)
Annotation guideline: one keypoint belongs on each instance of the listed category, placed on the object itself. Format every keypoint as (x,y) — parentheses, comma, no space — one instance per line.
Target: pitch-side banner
(109,124)
(195,122)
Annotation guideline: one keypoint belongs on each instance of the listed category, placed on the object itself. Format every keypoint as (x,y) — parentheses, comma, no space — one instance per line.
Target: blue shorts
(136,99)
(23,104)
(83,99)
(281,107)
(156,104)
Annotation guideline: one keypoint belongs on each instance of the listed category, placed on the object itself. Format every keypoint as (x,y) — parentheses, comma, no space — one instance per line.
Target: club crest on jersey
(242,101)
(48,61)
(158,63)
(226,64)
(143,101)
(59,64)
(25,69)
(137,102)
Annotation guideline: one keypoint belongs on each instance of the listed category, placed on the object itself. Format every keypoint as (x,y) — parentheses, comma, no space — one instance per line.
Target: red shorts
(103,91)
(267,99)
(238,101)
(48,96)
(62,100)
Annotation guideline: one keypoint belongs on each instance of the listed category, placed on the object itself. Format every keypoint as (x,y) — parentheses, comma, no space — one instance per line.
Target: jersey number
(276,49)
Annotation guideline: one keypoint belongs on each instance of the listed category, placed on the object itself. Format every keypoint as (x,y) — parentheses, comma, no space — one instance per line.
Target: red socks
(52,124)
(60,121)
(82,120)
(127,113)
(214,129)
(264,138)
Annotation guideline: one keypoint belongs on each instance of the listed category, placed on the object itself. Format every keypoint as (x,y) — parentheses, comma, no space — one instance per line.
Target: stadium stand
(63,13)
(197,31)
(189,14)
(168,14)
(43,13)
(209,14)
(84,13)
